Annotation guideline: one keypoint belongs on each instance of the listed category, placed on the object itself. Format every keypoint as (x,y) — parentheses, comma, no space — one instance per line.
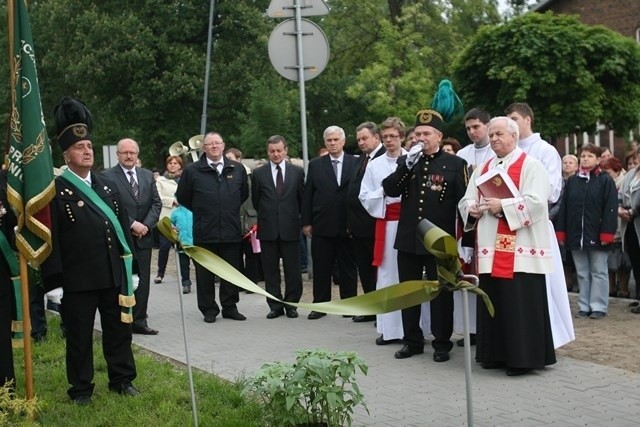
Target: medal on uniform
(80,203)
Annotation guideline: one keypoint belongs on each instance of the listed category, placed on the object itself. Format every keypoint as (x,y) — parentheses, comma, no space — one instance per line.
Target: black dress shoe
(315,315)
(440,356)
(347,316)
(126,390)
(82,400)
(234,315)
(186,289)
(516,372)
(143,330)
(472,340)
(275,313)
(361,319)
(381,341)
(210,318)
(407,351)
(292,313)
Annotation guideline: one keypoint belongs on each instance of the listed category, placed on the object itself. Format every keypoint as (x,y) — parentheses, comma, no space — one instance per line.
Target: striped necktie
(134,185)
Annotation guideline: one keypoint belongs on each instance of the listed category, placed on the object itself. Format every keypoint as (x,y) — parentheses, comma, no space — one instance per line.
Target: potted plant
(318,389)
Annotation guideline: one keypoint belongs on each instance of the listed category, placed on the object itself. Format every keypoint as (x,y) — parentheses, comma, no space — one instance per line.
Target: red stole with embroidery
(505,253)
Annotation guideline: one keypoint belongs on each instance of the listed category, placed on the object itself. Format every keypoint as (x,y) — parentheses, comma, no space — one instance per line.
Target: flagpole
(26,328)
(24,282)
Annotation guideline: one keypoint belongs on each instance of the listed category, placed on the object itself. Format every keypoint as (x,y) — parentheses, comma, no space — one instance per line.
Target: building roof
(543,5)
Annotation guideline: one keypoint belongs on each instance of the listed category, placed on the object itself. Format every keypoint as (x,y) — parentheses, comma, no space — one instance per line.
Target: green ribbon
(14,270)
(83,188)
(392,298)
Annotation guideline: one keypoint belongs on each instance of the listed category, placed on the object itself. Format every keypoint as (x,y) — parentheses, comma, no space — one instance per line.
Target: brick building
(622,16)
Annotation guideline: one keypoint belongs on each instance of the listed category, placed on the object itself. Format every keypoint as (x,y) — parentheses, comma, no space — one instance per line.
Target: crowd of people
(530,224)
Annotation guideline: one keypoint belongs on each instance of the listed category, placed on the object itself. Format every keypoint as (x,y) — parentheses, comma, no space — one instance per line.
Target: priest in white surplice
(387,211)
(514,254)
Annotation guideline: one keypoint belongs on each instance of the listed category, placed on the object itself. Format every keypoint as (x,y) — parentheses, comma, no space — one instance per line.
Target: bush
(319,388)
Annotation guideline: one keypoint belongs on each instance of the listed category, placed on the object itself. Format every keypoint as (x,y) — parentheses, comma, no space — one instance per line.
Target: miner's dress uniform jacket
(430,190)
(86,260)
(85,254)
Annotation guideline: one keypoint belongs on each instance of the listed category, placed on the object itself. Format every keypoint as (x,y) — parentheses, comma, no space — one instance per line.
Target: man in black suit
(214,188)
(324,214)
(276,192)
(360,224)
(431,183)
(90,260)
(143,205)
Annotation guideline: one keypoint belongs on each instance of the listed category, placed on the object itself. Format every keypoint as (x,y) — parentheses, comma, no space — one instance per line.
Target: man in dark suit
(214,188)
(360,224)
(431,183)
(90,260)
(324,214)
(143,205)
(276,192)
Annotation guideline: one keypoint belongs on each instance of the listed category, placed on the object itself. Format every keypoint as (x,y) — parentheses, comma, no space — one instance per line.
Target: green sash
(14,269)
(126,298)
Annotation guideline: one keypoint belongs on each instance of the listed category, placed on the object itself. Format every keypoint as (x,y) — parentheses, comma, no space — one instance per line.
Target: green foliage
(570,73)
(165,398)
(140,64)
(319,387)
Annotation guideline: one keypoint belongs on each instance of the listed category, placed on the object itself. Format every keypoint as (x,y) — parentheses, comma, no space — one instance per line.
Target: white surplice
(375,202)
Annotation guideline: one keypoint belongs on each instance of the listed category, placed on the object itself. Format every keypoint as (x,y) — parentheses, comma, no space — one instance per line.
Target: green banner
(385,300)
(30,168)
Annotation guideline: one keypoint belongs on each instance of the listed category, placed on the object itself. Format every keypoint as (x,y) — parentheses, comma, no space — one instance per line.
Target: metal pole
(203,119)
(303,99)
(467,347)
(194,408)
(303,112)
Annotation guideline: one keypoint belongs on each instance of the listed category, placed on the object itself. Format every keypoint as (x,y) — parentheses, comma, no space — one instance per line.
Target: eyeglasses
(128,153)
(390,136)
(209,144)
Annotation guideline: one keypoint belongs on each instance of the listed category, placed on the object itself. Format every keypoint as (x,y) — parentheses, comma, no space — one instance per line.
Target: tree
(571,74)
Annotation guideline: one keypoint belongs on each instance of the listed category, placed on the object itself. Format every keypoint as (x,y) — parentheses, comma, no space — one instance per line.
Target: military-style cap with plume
(73,122)
(445,105)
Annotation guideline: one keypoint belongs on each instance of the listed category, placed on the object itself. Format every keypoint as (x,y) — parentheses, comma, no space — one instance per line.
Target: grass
(165,399)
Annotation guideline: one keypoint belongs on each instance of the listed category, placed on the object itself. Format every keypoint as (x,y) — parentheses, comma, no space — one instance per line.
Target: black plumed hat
(73,122)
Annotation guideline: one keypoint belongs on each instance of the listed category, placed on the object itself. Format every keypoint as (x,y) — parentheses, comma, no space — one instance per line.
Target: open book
(496,183)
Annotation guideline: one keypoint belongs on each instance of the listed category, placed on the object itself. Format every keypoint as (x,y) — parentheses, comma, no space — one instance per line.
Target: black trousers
(78,315)
(410,267)
(632,248)
(205,280)
(324,252)
(289,251)
(362,248)
(6,353)
(143,262)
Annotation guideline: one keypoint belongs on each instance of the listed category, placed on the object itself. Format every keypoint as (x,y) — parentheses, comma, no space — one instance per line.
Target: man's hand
(493,206)
(414,154)
(475,211)
(306,230)
(138,229)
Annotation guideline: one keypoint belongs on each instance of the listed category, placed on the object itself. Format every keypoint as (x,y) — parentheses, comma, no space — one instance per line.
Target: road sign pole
(301,85)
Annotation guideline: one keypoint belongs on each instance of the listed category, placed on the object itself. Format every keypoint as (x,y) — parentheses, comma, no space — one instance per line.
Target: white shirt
(216,165)
(274,171)
(546,153)
(476,155)
(128,175)
(339,165)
